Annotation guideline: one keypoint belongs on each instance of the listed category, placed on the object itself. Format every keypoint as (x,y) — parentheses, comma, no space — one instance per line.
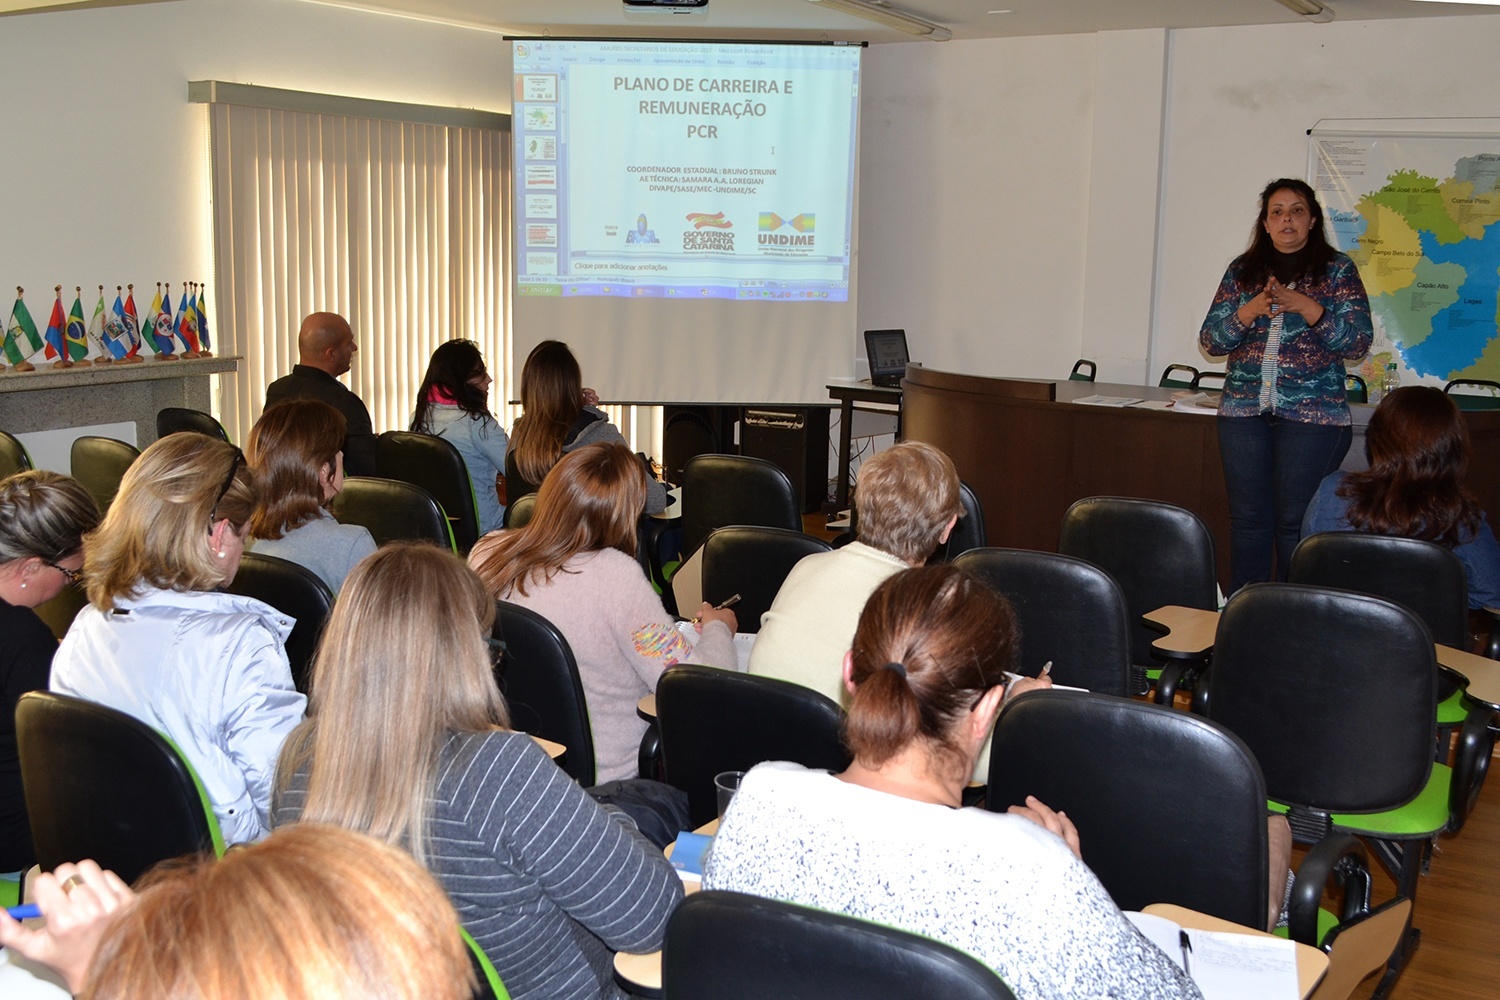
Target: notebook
(886,350)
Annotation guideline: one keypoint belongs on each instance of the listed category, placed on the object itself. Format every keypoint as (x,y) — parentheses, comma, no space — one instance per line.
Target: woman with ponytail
(888,841)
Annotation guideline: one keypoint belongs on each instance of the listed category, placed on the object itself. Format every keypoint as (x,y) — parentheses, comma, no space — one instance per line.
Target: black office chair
(1177,377)
(753,562)
(1334,694)
(296,592)
(13,456)
(1071,614)
(1487,399)
(1208,380)
(1142,778)
(1355,390)
(435,465)
(1083,371)
(173,419)
(99,463)
(729,946)
(518,512)
(718,490)
(101,784)
(391,510)
(717,720)
(968,533)
(539,678)
(1159,554)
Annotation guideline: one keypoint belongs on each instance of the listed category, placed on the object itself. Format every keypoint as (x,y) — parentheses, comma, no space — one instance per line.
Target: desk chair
(518,512)
(969,532)
(1083,371)
(13,456)
(718,490)
(99,463)
(1070,612)
(102,784)
(489,985)
(753,562)
(1487,399)
(729,946)
(715,720)
(539,677)
(435,465)
(1207,380)
(1159,554)
(391,510)
(1355,390)
(172,419)
(296,592)
(1177,377)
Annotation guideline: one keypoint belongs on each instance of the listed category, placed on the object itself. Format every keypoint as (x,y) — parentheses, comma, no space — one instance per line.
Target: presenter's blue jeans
(1272,468)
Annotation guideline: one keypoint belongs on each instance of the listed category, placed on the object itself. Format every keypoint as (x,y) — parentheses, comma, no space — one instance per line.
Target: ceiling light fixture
(1319,13)
(883,13)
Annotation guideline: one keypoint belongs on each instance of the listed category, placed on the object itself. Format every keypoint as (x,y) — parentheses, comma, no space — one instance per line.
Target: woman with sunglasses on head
(452,404)
(43,518)
(160,642)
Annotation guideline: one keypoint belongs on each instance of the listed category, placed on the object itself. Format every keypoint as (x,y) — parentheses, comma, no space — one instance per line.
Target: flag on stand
(115,337)
(203,337)
(131,323)
(187,322)
(102,329)
(21,338)
(163,323)
(76,333)
(57,346)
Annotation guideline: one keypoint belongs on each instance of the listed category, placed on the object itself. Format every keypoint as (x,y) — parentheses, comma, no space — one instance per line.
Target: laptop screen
(886,350)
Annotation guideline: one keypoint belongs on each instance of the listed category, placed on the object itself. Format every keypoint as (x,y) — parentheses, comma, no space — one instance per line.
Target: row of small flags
(116,332)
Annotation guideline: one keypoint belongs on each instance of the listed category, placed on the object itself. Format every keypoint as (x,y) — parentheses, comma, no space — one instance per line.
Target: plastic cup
(726,783)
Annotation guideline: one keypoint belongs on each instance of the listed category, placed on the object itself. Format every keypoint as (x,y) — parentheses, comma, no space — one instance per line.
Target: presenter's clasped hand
(1286,298)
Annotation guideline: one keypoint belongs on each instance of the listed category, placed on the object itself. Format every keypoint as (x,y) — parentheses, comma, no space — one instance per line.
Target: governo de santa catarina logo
(710,232)
(709,220)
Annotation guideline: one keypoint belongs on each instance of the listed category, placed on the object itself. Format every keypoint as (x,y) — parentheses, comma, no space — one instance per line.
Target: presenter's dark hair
(551,400)
(1418,448)
(449,371)
(1256,266)
(930,641)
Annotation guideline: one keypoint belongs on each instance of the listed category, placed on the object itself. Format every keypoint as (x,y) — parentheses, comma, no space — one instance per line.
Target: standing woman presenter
(1289,311)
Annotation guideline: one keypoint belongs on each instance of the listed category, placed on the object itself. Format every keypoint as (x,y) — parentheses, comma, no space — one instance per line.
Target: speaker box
(796,439)
(695,430)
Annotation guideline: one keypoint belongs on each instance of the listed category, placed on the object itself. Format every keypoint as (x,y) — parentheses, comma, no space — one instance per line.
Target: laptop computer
(886,350)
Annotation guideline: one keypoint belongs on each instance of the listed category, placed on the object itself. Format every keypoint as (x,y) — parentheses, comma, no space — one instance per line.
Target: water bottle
(1392,380)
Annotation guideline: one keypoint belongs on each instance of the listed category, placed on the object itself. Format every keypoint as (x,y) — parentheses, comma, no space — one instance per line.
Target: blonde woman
(406,742)
(314,912)
(296,450)
(160,642)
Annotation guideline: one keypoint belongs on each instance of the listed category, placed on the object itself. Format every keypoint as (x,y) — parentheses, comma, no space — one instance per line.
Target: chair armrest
(1476,741)
(1339,856)
(1492,648)
(648,758)
(1168,682)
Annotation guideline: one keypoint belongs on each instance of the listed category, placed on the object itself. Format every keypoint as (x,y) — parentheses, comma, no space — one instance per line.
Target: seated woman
(314,911)
(1417,445)
(43,517)
(295,449)
(887,841)
(161,643)
(558,416)
(574,564)
(406,742)
(452,404)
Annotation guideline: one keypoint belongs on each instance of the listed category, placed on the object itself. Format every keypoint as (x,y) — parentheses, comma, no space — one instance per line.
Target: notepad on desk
(1108,400)
(1225,965)
(688,853)
(744,642)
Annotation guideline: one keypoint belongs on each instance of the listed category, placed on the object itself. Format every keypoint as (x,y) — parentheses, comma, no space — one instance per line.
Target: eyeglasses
(239,458)
(73,576)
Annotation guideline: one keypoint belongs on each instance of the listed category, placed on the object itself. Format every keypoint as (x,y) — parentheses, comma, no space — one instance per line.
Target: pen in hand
(731,602)
(24,912)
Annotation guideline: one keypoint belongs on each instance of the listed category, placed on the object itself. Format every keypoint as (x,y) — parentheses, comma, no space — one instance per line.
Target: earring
(23,584)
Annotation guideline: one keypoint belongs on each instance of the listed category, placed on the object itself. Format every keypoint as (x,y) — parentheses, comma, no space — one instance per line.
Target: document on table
(1226,966)
(1198,402)
(1109,400)
(743,643)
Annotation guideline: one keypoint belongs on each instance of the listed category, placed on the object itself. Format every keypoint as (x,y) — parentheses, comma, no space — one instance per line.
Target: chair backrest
(1355,390)
(1424,576)
(753,562)
(1149,786)
(1487,399)
(1184,375)
(519,511)
(1158,553)
(1332,691)
(729,946)
(1207,380)
(488,984)
(1083,371)
(13,456)
(1070,612)
(435,465)
(717,720)
(734,489)
(171,419)
(99,463)
(539,678)
(968,533)
(296,592)
(391,510)
(1359,947)
(102,784)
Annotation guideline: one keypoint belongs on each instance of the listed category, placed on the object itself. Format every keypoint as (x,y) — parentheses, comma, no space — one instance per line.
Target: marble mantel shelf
(47,377)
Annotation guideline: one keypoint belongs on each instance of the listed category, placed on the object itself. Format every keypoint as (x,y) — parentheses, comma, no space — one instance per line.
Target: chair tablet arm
(1476,741)
(1339,856)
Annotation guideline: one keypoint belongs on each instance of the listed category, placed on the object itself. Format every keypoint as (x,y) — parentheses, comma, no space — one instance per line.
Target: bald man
(325,349)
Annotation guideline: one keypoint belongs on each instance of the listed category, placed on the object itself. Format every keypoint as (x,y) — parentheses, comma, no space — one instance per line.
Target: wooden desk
(849,393)
(640,973)
(1311,963)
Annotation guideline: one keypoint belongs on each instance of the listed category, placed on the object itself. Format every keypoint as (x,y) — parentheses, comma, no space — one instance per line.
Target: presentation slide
(669,169)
